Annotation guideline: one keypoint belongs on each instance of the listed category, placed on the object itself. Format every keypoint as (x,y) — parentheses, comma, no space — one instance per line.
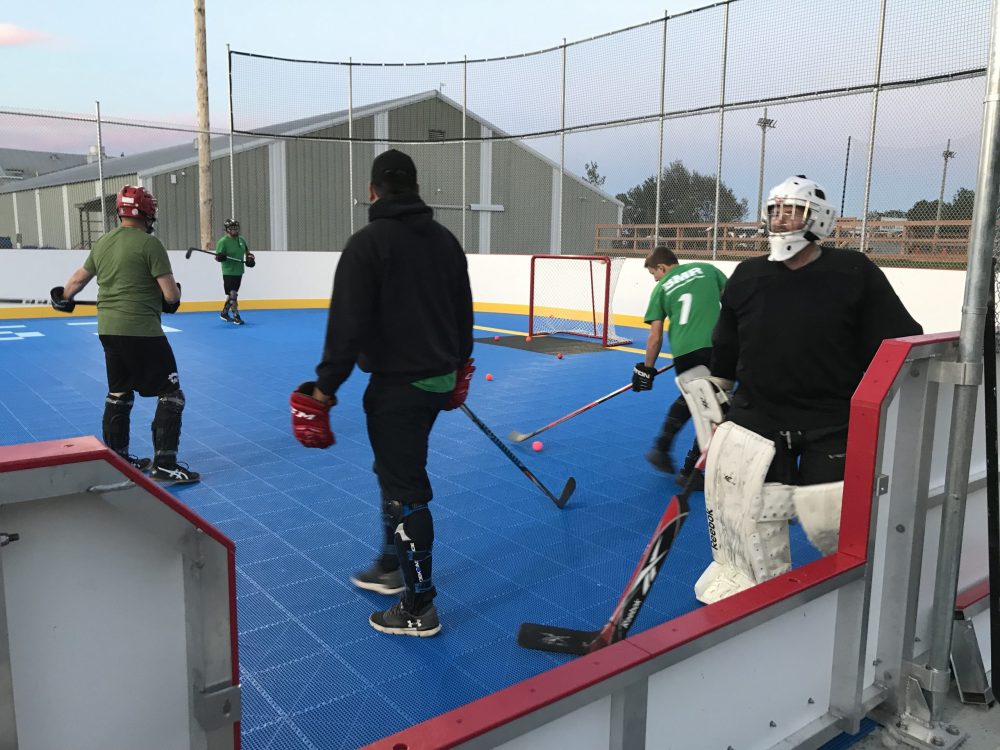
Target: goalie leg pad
(747,520)
(818,508)
(704,400)
(414,537)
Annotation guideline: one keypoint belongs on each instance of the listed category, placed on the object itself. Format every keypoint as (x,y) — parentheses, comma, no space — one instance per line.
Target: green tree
(686,197)
(591,174)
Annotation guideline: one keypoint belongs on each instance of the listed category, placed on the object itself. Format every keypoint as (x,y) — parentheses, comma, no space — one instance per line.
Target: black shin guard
(676,417)
(167,427)
(414,537)
(116,422)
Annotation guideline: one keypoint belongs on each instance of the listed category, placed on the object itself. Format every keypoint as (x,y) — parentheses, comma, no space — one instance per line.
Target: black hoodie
(402,304)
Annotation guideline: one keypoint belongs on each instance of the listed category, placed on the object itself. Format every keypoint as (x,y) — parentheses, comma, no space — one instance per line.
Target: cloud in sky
(11,36)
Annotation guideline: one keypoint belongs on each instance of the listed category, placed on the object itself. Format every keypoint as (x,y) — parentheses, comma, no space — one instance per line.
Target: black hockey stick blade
(568,641)
(189,251)
(560,640)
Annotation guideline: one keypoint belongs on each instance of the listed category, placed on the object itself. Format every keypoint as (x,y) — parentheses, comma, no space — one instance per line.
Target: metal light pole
(947,154)
(763,123)
(843,190)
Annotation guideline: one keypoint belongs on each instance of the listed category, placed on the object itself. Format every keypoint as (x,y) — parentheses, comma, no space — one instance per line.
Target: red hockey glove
(461,390)
(311,418)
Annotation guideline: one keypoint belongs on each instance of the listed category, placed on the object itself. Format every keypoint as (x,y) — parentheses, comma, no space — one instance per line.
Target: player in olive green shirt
(686,294)
(232,252)
(136,285)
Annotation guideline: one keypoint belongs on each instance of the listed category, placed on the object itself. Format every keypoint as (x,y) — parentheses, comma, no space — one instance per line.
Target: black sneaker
(397,621)
(379,580)
(175,472)
(225,317)
(139,463)
(697,483)
(238,320)
(661,460)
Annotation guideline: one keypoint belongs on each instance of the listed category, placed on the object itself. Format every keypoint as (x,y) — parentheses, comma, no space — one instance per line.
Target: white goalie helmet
(818,216)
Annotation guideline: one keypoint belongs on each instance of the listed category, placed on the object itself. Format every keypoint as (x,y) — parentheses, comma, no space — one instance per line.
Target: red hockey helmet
(134,202)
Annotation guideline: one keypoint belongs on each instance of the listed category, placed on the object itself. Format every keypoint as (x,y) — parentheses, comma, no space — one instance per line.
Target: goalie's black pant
(400,419)
(801,457)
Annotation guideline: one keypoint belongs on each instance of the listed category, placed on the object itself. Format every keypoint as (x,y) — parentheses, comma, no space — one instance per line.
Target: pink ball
(527,338)
(558,355)
(489,376)
(537,445)
(496,338)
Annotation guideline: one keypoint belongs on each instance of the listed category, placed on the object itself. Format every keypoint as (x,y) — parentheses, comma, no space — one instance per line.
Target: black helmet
(230,224)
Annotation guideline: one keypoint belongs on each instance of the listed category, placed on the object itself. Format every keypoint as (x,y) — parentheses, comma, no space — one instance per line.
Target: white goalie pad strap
(818,508)
(704,400)
(747,520)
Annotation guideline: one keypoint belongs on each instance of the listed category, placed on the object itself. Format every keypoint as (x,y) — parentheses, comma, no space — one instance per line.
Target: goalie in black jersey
(797,329)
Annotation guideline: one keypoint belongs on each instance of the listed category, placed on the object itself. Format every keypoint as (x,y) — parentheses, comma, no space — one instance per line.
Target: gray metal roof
(149,163)
(16,164)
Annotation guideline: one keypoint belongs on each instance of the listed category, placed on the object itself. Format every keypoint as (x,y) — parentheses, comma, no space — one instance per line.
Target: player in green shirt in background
(136,285)
(232,252)
(686,294)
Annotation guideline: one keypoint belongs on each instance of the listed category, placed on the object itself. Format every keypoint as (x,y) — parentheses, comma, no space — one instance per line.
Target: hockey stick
(207,252)
(43,302)
(520,437)
(570,641)
(570,483)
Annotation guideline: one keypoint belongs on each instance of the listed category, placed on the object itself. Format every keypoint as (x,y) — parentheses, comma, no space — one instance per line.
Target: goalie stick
(569,641)
(520,437)
(570,483)
(207,252)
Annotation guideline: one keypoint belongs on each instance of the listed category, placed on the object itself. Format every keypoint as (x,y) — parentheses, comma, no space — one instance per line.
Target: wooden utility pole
(204,143)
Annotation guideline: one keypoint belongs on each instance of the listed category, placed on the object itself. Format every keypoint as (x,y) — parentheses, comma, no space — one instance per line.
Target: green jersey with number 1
(689,297)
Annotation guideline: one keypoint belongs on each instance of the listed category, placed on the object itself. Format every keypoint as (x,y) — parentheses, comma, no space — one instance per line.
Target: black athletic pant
(801,457)
(400,419)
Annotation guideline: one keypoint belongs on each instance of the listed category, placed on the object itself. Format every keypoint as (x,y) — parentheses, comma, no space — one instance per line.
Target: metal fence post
(722,130)
(350,140)
(232,170)
(659,151)
(100,171)
(562,152)
(871,129)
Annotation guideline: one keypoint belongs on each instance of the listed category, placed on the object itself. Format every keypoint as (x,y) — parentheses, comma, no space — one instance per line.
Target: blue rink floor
(314,673)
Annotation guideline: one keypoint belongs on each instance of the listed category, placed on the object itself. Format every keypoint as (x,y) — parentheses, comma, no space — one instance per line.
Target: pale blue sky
(138,58)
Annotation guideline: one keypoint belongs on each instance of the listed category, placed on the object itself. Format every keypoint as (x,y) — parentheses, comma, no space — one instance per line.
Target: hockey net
(574,294)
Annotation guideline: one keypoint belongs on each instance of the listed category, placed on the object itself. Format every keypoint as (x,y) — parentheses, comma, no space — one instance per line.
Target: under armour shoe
(238,320)
(175,472)
(397,621)
(225,317)
(660,460)
(379,580)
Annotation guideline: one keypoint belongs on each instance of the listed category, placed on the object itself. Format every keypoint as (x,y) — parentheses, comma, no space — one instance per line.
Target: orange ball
(537,445)
(489,376)
(527,338)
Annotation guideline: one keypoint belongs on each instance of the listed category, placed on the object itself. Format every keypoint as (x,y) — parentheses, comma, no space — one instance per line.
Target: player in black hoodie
(402,310)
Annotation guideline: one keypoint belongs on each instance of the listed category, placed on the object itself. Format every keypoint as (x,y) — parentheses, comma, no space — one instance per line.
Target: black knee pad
(167,423)
(414,536)
(116,421)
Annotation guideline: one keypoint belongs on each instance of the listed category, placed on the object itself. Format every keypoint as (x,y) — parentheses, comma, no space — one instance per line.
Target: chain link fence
(670,131)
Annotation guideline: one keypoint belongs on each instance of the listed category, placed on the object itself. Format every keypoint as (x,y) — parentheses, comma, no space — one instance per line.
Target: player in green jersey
(686,294)
(136,285)
(232,252)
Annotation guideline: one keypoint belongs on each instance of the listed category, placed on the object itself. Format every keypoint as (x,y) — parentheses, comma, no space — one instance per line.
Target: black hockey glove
(250,260)
(220,257)
(642,377)
(171,307)
(60,303)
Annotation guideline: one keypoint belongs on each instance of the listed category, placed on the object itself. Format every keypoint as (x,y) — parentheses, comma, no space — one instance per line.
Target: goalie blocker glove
(311,417)
(60,303)
(642,377)
(171,307)
(463,378)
